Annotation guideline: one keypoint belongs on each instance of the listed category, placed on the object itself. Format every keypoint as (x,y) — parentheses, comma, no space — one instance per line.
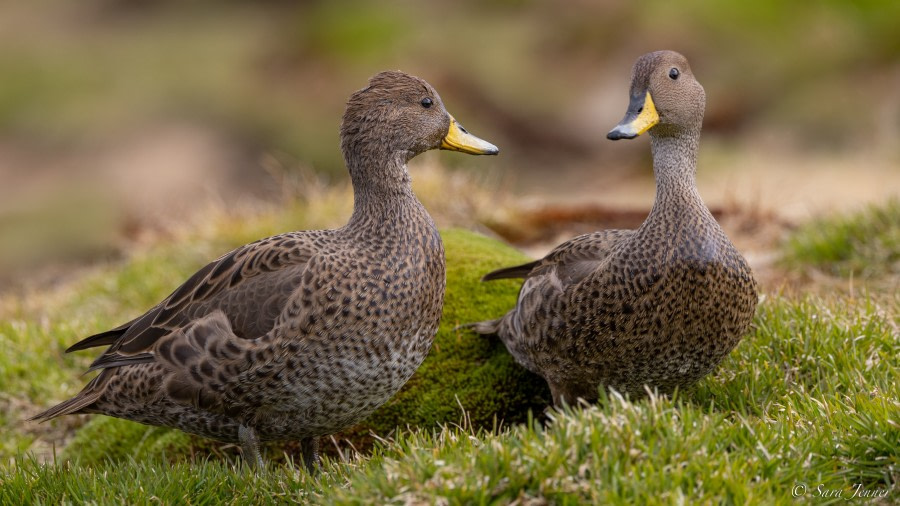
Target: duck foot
(309,448)
(572,394)
(250,448)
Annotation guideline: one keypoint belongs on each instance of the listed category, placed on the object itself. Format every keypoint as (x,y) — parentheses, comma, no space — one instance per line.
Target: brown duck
(659,306)
(306,333)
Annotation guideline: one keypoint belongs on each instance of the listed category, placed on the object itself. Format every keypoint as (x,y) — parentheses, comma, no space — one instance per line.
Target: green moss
(462,365)
(463,369)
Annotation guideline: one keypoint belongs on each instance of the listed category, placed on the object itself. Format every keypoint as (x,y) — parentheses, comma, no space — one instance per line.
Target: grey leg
(250,447)
(309,447)
(559,395)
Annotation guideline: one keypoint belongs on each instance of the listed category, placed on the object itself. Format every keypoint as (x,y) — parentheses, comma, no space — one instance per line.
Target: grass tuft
(865,244)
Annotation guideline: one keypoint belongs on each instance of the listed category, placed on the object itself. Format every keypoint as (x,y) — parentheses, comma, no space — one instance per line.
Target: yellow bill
(641,116)
(458,139)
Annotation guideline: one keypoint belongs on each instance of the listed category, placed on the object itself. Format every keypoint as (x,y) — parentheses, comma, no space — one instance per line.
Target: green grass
(865,244)
(809,399)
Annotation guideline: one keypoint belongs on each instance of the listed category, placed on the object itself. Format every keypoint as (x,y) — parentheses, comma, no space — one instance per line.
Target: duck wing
(202,332)
(249,286)
(567,264)
(571,261)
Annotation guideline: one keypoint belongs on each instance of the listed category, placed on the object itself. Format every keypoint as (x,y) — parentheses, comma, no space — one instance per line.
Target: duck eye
(673,73)
(426,102)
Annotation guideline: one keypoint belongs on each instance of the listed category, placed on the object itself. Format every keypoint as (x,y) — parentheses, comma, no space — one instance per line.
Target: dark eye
(426,102)
(673,73)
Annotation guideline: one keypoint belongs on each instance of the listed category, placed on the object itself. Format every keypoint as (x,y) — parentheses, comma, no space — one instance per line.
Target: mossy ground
(805,407)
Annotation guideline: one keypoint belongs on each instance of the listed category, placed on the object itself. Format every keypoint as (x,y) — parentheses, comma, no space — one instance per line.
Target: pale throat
(674,167)
(675,163)
(382,188)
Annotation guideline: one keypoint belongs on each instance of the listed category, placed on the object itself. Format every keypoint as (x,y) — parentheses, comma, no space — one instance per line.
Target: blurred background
(121,119)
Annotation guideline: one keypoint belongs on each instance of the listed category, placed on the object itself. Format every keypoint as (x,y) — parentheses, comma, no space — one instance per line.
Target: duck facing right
(660,306)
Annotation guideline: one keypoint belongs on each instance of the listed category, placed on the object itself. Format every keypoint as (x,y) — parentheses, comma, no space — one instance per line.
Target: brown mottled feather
(304,333)
(659,306)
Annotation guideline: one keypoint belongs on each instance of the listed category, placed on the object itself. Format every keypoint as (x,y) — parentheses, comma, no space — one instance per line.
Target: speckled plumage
(306,333)
(659,306)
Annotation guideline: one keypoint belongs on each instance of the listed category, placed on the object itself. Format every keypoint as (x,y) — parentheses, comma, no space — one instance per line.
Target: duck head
(666,99)
(399,114)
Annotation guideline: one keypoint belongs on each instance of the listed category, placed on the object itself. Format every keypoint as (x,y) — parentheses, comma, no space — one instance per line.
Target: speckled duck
(306,333)
(660,306)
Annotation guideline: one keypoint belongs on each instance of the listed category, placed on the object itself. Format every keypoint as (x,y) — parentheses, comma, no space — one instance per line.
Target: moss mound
(462,365)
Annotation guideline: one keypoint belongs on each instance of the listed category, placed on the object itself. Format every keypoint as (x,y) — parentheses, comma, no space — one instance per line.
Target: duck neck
(382,190)
(675,167)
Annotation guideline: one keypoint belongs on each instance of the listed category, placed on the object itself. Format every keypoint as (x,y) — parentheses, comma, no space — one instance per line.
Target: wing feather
(237,283)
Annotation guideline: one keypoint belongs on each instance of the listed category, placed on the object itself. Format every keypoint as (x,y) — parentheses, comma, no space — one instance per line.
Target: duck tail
(75,405)
(514,272)
(102,339)
(71,406)
(485,328)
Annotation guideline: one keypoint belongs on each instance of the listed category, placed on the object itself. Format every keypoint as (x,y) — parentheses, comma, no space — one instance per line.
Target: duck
(306,333)
(651,309)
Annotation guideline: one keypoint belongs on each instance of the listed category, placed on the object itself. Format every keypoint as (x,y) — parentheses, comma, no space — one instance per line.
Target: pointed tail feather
(110,360)
(89,395)
(102,339)
(485,328)
(514,272)
(71,406)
